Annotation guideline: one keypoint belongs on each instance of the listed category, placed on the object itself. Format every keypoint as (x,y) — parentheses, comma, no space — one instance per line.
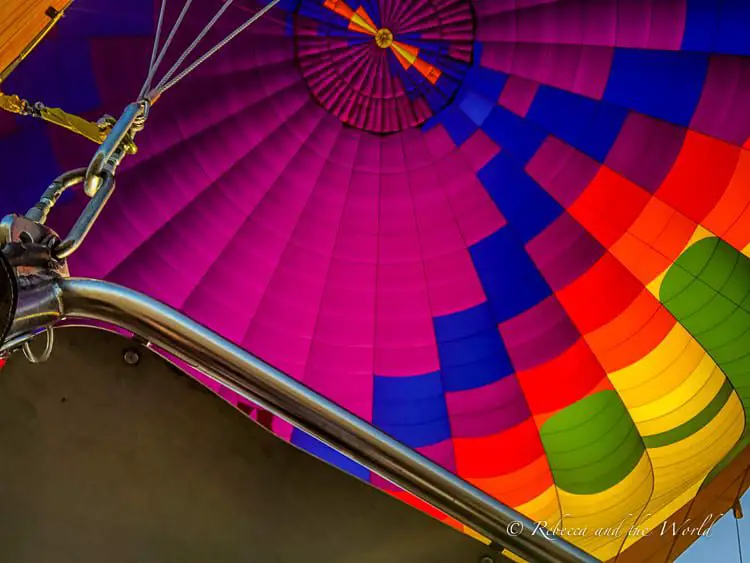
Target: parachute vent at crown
(512,234)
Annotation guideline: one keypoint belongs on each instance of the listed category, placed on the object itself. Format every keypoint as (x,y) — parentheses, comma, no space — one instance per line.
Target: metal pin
(131,357)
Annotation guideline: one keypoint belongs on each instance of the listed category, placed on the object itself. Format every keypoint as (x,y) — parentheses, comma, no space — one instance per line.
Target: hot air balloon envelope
(512,235)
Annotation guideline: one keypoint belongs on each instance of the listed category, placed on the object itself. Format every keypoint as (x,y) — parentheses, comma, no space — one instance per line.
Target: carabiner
(49,198)
(87,218)
(118,143)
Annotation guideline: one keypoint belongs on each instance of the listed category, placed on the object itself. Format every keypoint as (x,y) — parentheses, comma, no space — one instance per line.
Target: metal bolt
(486,559)
(131,357)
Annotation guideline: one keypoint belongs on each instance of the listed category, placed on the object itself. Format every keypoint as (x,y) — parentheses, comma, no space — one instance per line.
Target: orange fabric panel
(654,241)
(663,228)
(521,486)
(730,219)
(340,7)
(20,22)
(428,71)
(629,337)
(642,260)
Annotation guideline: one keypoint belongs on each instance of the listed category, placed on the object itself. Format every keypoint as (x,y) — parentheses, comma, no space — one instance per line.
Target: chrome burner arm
(57,298)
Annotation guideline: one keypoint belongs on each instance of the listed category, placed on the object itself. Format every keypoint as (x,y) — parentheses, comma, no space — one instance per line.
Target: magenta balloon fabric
(513,234)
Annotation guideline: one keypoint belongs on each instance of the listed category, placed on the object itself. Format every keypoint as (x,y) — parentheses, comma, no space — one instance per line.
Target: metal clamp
(39,213)
(118,143)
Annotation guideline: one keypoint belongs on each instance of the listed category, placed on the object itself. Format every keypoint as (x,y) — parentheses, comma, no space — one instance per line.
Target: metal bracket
(30,303)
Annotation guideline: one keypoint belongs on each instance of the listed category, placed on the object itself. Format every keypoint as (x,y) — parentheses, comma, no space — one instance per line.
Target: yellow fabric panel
(663,390)
(669,386)
(661,371)
(20,22)
(699,234)
(684,403)
(545,507)
(682,391)
(361,22)
(607,516)
(655,286)
(679,469)
(652,522)
(409,56)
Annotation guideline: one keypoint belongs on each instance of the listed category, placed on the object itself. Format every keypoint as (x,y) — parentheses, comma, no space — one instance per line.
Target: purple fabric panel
(190,168)
(487,410)
(452,281)
(486,8)
(644,24)
(554,22)
(564,251)
(441,453)
(723,111)
(518,94)
(539,334)
(651,24)
(645,150)
(404,335)
(561,170)
(261,239)
(476,214)
(580,69)
(306,218)
(479,150)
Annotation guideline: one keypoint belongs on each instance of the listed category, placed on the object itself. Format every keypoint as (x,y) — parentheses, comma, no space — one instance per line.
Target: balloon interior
(491,257)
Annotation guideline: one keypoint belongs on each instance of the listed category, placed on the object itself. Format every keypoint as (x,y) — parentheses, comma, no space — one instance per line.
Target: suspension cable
(194,44)
(153,68)
(168,81)
(739,539)
(155,50)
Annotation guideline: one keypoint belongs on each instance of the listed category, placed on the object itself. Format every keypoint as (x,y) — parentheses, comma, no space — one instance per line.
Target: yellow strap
(93,131)
(13,104)
(23,25)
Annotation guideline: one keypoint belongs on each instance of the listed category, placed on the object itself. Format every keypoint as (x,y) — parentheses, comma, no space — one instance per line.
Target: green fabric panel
(707,290)
(592,444)
(696,423)
(710,306)
(736,323)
